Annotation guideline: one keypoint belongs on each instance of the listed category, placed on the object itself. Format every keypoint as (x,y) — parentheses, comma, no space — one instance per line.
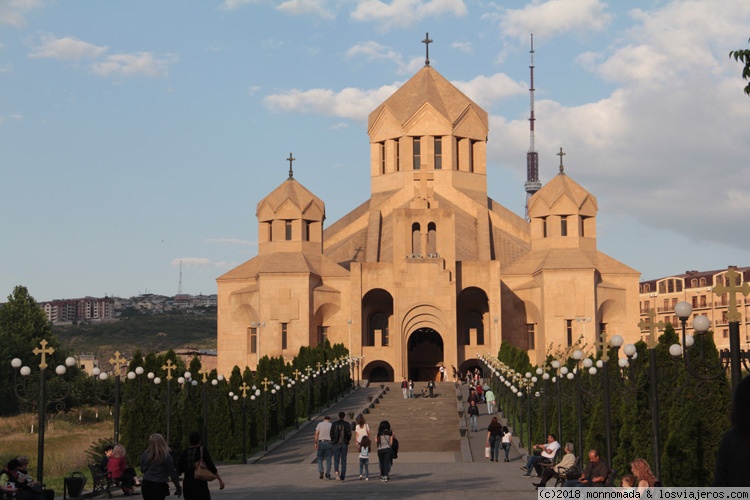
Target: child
(364,458)
(628,481)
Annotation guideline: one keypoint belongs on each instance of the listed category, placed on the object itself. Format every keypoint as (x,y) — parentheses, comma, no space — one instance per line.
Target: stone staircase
(420,424)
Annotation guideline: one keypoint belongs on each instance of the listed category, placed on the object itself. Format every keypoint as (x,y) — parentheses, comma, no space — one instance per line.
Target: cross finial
(117,361)
(296,374)
(732,288)
(205,374)
(291,170)
(308,370)
(169,367)
(601,343)
(318,365)
(561,154)
(43,351)
(427,41)
(244,388)
(283,377)
(265,383)
(651,327)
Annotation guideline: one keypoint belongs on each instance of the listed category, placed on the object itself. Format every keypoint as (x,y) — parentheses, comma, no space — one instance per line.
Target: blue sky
(134,135)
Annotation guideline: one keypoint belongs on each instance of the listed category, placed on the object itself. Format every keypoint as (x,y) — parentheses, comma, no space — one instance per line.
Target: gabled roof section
(427,86)
(286,263)
(556,190)
(292,192)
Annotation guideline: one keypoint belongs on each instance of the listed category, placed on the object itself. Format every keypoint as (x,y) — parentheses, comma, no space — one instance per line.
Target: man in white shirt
(549,451)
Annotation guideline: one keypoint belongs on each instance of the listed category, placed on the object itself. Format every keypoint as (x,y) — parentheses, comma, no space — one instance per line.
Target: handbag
(487,451)
(202,472)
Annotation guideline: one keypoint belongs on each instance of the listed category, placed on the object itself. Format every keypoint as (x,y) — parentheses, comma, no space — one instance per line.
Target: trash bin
(73,485)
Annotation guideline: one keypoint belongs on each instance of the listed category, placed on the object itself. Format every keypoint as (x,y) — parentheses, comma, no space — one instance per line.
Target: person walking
(505,443)
(362,429)
(489,396)
(405,388)
(341,435)
(323,446)
(473,412)
(442,373)
(385,449)
(364,458)
(158,468)
(196,489)
(411,389)
(494,437)
(431,387)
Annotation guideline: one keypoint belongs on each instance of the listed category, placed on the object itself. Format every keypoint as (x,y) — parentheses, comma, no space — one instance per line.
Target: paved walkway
(289,471)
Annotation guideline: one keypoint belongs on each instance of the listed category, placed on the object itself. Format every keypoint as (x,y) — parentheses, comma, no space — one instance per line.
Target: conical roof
(563,186)
(428,86)
(294,192)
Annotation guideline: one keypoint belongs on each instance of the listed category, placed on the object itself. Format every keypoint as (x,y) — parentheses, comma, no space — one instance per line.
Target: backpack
(394,447)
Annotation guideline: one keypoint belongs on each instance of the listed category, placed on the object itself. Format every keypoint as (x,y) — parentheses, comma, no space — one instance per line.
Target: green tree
(23,325)
(743,56)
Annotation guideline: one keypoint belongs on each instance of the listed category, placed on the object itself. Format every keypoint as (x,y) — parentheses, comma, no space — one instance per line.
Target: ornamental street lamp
(295,383)
(274,402)
(188,379)
(25,394)
(244,388)
(117,362)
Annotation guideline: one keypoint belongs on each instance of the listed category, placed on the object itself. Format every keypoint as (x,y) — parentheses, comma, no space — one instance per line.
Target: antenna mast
(179,287)
(532,184)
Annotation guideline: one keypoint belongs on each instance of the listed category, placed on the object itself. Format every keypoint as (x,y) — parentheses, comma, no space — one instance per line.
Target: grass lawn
(67,438)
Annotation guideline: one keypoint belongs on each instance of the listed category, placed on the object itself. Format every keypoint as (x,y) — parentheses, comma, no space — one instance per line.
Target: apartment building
(697,289)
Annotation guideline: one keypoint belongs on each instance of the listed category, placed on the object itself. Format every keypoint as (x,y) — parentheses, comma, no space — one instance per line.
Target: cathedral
(429,271)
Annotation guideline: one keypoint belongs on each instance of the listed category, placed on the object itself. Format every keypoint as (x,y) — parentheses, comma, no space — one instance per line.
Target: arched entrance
(378,371)
(425,354)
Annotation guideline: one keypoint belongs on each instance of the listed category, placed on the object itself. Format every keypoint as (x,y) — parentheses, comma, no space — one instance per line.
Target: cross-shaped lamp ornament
(244,388)
(117,363)
(43,351)
(265,383)
(169,367)
(651,326)
(732,289)
(296,374)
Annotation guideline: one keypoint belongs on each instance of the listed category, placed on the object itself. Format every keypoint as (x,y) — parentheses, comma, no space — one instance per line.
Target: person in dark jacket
(196,489)
(341,435)
(733,459)
(158,468)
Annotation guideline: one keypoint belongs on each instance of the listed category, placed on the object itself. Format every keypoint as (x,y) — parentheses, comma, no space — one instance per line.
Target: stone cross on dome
(561,154)
(427,41)
(291,170)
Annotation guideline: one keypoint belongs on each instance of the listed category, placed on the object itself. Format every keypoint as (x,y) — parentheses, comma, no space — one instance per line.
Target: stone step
(421,424)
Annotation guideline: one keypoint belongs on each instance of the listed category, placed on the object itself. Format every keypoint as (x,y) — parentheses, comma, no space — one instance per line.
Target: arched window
(416,237)
(431,238)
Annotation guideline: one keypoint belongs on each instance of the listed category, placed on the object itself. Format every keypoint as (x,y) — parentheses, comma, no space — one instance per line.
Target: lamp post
(188,379)
(117,362)
(558,382)
(266,416)
(603,364)
(545,377)
(295,384)
(309,370)
(244,388)
(280,389)
(169,367)
(25,395)
(577,356)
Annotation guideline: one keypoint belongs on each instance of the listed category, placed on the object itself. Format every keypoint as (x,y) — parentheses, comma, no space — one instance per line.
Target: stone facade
(429,271)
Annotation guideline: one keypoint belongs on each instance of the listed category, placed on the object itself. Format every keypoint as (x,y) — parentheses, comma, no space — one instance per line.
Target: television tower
(179,286)
(532,184)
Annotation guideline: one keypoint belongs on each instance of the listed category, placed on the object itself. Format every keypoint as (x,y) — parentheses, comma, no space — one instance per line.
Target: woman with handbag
(198,469)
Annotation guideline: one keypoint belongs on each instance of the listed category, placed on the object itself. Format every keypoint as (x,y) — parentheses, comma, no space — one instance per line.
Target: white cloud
(486,90)
(304,7)
(198,262)
(554,17)
(405,13)
(351,103)
(465,47)
(6,68)
(66,49)
(12,12)
(235,4)
(373,51)
(232,242)
(252,90)
(138,64)
(13,117)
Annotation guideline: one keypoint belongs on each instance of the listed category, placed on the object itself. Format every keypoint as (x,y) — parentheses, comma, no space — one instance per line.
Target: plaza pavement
(289,470)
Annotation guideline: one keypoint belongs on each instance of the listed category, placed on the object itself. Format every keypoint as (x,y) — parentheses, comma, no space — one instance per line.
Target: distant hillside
(148,333)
